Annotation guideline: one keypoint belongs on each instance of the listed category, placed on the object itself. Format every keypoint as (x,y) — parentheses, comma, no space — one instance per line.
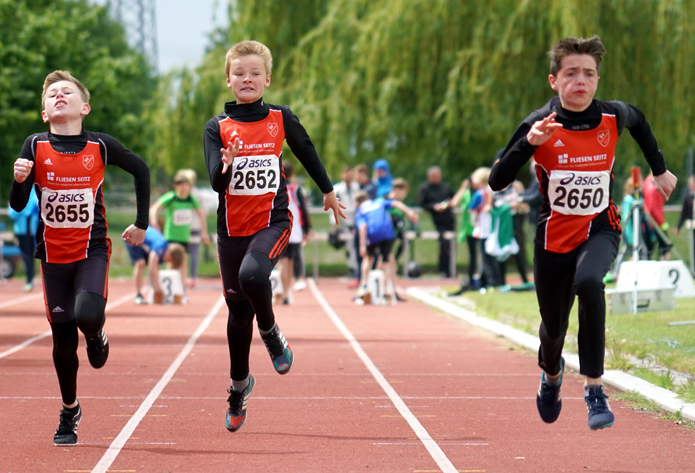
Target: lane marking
(435,452)
(19,300)
(29,341)
(118,443)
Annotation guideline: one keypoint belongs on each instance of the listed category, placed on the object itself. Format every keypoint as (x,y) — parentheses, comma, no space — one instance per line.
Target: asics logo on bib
(581,180)
(65,197)
(253,163)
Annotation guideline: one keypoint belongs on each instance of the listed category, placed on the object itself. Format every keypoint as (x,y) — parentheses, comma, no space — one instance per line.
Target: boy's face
(400,194)
(63,102)
(576,82)
(182,189)
(247,78)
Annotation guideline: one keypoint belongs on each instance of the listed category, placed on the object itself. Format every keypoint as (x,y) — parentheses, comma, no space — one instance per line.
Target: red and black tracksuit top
(253,192)
(575,169)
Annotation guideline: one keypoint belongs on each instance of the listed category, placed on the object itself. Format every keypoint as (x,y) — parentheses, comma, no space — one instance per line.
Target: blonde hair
(480,176)
(360,196)
(177,254)
(247,48)
(57,76)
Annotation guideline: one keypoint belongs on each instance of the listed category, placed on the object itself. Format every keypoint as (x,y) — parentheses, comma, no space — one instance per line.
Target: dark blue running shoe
(236,414)
(600,414)
(279,350)
(549,397)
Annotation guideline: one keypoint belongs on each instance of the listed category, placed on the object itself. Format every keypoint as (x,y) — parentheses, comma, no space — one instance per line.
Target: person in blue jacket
(25,224)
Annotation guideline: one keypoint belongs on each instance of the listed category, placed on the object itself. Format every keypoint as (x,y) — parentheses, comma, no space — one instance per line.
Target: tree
(420,82)
(40,36)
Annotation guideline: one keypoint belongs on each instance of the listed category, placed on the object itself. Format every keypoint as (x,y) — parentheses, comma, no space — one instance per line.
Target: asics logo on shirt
(581,180)
(253,163)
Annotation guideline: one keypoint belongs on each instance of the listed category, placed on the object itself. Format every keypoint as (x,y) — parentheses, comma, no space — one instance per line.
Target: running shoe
(279,350)
(300,285)
(600,414)
(549,397)
(66,433)
(139,300)
(98,349)
(236,414)
(28,287)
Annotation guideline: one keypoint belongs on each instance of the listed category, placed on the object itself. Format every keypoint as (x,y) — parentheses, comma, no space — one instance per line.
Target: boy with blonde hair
(243,153)
(65,165)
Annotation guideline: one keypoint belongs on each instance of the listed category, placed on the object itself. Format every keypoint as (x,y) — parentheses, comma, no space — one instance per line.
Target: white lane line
(118,443)
(435,452)
(29,341)
(19,300)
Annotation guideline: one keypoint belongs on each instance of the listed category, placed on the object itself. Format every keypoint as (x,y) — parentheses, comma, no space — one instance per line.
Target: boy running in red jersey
(243,152)
(573,139)
(66,167)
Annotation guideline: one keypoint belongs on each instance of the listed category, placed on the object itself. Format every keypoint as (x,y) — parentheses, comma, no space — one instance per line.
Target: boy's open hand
(542,130)
(22,169)
(330,201)
(134,235)
(665,183)
(229,153)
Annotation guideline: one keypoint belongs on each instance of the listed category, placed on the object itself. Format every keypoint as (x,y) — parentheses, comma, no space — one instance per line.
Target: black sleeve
(686,210)
(633,119)
(515,156)
(212,143)
(306,219)
(19,193)
(117,154)
(303,148)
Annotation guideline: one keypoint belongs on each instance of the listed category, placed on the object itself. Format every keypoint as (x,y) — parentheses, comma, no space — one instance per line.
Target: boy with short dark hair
(573,139)
(243,153)
(66,168)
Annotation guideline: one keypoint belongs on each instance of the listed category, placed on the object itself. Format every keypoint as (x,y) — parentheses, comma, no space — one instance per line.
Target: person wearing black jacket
(573,139)
(435,196)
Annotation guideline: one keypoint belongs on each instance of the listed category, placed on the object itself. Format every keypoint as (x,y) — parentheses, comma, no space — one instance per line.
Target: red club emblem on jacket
(604,137)
(88,161)
(273,129)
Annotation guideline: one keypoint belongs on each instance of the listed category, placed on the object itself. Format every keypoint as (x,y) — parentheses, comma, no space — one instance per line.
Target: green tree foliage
(40,36)
(446,82)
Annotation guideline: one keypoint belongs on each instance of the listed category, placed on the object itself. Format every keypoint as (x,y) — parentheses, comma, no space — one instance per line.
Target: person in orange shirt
(65,166)
(573,139)
(243,153)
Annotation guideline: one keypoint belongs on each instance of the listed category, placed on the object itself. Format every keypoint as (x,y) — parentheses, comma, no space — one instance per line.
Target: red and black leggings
(245,267)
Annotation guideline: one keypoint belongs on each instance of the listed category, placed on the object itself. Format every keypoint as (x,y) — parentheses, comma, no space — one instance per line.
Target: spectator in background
(382,178)
(435,196)
(300,232)
(197,224)
(463,199)
(480,210)
(654,206)
(345,191)
(366,184)
(377,235)
(532,196)
(399,193)
(687,208)
(180,206)
(24,228)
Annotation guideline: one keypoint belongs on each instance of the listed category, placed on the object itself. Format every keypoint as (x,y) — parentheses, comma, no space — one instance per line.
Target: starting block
(656,275)
(623,301)
(376,287)
(170,280)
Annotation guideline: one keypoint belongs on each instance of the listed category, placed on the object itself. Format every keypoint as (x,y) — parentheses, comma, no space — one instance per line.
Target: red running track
(373,389)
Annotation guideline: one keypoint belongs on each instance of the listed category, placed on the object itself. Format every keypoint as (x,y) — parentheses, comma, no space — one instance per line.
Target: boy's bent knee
(89,312)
